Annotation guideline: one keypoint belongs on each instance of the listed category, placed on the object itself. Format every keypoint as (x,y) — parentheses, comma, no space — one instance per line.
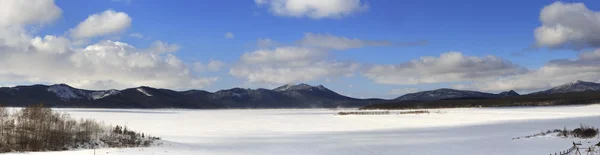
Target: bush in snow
(36,128)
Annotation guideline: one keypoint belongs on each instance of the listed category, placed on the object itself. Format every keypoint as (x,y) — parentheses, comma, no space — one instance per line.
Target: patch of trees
(36,128)
(578,98)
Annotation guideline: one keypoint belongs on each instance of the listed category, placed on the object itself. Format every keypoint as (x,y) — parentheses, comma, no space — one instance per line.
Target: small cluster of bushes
(37,128)
(414,112)
(584,132)
(365,113)
(549,132)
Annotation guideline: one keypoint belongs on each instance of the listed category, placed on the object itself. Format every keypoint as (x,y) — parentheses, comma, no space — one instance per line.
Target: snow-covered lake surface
(319,131)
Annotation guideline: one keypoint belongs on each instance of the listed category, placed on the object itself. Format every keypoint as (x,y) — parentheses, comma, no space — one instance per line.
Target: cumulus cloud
(20,12)
(556,72)
(103,65)
(107,64)
(329,41)
(449,67)
(568,25)
(100,24)
(284,65)
(51,44)
(283,55)
(229,35)
(159,47)
(315,9)
(213,66)
(305,60)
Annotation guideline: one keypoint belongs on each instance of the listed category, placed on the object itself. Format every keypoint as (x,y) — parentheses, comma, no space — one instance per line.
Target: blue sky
(470,28)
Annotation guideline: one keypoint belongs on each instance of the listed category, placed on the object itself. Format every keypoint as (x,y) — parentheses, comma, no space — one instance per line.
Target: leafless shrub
(37,128)
(365,113)
(414,112)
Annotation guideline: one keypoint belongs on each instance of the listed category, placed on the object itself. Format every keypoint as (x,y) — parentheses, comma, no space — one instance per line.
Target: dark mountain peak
(444,93)
(575,86)
(237,89)
(194,91)
(61,85)
(508,93)
(145,87)
(301,86)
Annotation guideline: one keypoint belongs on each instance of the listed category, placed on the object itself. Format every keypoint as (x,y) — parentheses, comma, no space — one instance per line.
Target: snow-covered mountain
(302,86)
(289,96)
(66,93)
(286,96)
(575,86)
(508,93)
(305,91)
(444,93)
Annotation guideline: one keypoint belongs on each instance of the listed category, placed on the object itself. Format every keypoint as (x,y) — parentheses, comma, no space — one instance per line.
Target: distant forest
(590,97)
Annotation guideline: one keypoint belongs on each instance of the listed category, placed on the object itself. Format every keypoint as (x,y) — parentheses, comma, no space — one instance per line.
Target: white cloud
(556,72)
(213,66)
(334,42)
(328,41)
(260,2)
(266,43)
(106,64)
(51,44)
(449,67)
(315,9)
(568,25)
(100,24)
(306,60)
(284,65)
(283,55)
(137,35)
(159,47)
(20,12)
(229,35)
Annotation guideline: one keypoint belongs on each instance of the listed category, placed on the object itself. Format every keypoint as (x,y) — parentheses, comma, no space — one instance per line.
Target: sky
(359,48)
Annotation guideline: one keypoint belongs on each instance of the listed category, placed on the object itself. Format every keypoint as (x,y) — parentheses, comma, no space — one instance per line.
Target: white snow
(141,90)
(102,94)
(67,93)
(319,131)
(285,87)
(64,92)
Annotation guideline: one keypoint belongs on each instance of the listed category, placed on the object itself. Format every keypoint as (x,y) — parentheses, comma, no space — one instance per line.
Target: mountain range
(286,96)
(573,93)
(445,93)
(575,86)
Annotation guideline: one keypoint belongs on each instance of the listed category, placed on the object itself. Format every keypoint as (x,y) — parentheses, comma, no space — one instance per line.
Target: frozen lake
(320,131)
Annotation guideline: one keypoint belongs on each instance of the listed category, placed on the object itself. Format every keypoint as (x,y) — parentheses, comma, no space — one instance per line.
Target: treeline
(36,128)
(578,98)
